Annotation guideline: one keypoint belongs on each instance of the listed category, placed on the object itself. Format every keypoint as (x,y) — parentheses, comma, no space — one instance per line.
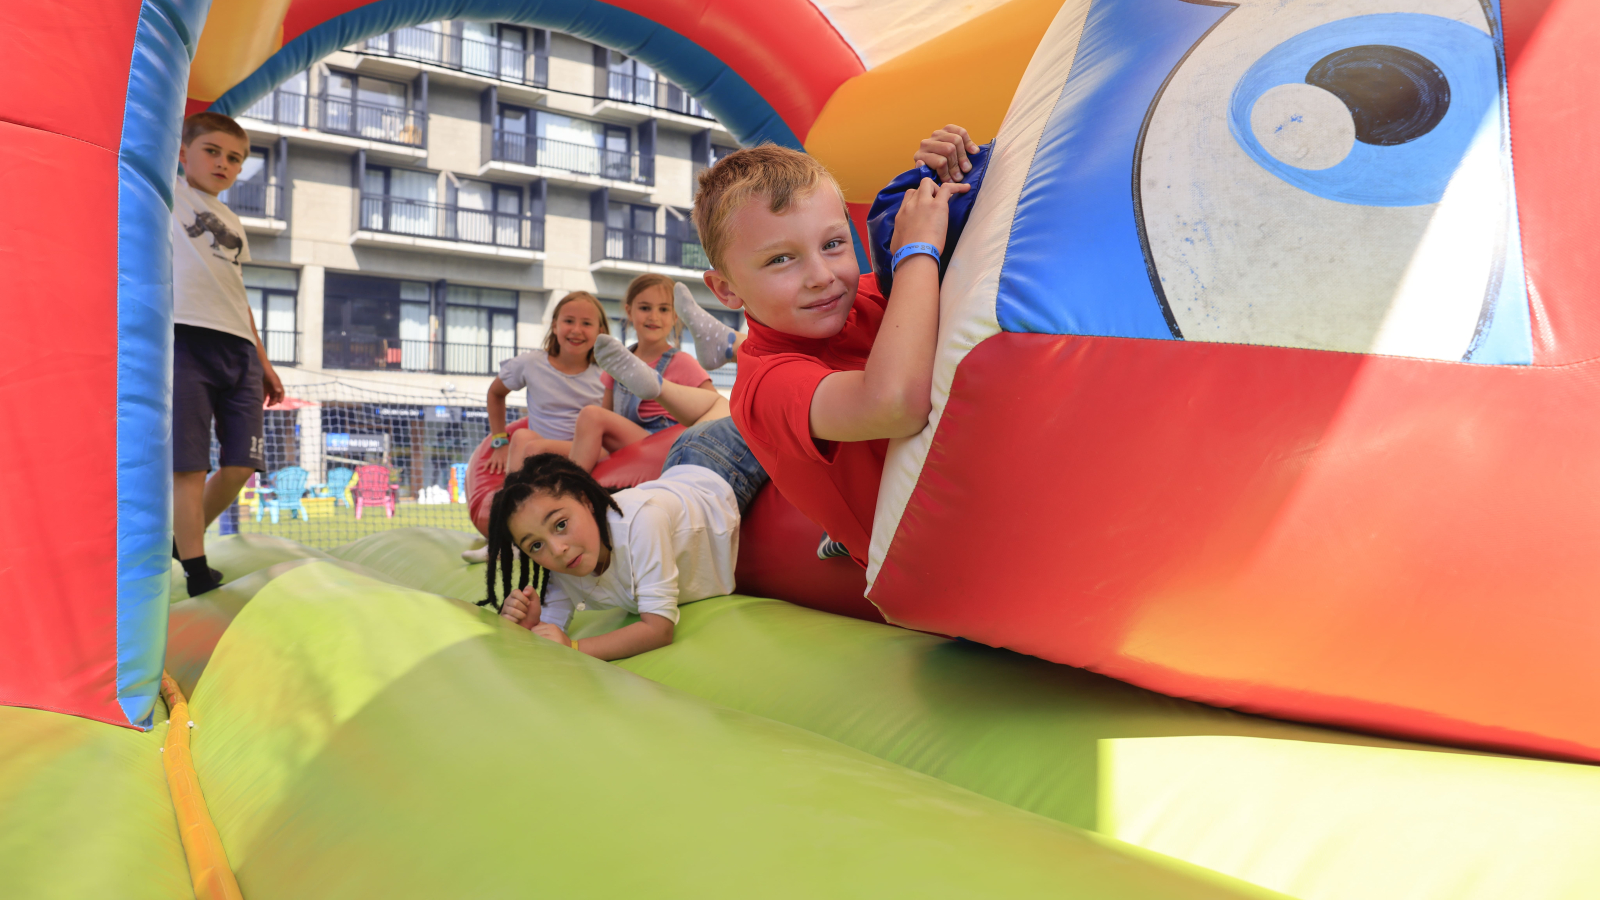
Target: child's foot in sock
(630,371)
(713,341)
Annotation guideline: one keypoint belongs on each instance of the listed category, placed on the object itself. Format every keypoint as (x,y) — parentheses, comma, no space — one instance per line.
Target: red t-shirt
(835,483)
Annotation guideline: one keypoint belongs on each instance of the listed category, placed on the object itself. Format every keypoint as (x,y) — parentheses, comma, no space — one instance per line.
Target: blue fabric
(880,218)
(1075,263)
(717,445)
(721,90)
(147,161)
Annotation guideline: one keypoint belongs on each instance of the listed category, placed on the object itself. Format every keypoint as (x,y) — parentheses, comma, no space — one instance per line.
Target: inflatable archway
(91,140)
(1264,380)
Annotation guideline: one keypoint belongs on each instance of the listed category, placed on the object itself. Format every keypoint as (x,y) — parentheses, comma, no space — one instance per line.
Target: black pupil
(1394,95)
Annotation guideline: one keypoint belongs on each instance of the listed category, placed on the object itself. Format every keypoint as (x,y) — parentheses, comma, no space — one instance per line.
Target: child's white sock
(629,370)
(713,341)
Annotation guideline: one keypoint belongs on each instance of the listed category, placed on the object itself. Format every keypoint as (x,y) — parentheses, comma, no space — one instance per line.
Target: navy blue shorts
(215,375)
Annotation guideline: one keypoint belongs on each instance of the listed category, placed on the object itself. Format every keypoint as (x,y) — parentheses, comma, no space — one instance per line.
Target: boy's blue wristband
(913,250)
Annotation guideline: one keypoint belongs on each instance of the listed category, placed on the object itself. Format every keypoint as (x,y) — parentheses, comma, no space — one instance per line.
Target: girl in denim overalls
(623,418)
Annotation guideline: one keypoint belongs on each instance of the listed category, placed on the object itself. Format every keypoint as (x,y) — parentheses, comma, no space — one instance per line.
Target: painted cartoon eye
(1374,110)
(1394,95)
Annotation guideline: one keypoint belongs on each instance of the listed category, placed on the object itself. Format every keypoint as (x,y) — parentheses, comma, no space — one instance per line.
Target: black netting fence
(345,461)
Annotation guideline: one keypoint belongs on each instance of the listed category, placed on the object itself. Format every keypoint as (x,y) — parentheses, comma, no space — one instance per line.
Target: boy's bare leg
(189,513)
(691,405)
(597,424)
(222,488)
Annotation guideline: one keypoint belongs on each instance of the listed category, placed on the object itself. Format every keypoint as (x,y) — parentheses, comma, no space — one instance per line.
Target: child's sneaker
(476,555)
(831,549)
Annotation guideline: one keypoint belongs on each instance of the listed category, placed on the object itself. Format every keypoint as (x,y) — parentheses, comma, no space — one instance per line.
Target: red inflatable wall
(1397,545)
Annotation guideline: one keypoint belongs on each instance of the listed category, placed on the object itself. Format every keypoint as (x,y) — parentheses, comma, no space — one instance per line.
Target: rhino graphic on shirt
(221,237)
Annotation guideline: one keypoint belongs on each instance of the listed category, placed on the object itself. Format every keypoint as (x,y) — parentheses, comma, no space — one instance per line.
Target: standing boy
(830,370)
(219,367)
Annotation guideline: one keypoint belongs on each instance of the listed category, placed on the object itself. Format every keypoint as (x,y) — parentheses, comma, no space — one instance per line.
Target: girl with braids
(646,549)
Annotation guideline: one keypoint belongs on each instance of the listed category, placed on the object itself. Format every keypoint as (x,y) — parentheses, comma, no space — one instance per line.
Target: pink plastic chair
(372,489)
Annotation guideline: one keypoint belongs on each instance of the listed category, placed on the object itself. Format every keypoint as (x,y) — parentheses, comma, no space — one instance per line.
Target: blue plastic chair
(288,486)
(338,482)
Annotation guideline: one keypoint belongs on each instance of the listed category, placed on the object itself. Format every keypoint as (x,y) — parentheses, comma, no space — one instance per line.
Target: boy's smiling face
(793,271)
(213,160)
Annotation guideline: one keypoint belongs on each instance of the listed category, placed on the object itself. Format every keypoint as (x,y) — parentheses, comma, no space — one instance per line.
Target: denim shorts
(656,424)
(717,445)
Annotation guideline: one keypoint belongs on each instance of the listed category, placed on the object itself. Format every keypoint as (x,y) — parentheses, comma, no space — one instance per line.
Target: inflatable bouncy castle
(1248,551)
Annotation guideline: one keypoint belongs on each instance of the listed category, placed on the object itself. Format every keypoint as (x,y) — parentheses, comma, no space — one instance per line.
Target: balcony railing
(336,115)
(421,218)
(256,199)
(340,351)
(649,247)
(463,54)
(656,92)
(582,159)
(283,347)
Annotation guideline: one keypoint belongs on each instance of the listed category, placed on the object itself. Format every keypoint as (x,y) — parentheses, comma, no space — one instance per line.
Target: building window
(631,233)
(377,323)
(368,107)
(256,194)
(486,213)
(400,201)
(683,241)
(290,104)
(630,81)
(567,143)
(480,329)
(503,52)
(272,294)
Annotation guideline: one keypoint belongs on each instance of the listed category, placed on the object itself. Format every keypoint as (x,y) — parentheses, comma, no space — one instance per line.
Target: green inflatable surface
(84,811)
(360,735)
(358,739)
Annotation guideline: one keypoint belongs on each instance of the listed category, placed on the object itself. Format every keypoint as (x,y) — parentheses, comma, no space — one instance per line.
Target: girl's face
(576,326)
(559,533)
(652,316)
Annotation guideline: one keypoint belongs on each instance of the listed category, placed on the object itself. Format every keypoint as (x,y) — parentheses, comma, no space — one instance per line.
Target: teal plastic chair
(288,486)
(338,480)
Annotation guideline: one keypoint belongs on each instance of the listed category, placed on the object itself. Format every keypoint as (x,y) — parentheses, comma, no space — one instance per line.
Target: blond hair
(207,122)
(552,344)
(644,283)
(778,174)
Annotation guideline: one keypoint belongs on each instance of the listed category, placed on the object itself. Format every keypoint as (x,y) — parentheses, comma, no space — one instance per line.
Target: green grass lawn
(327,532)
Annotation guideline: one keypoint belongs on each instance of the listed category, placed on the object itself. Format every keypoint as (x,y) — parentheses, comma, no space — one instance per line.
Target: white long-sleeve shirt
(675,541)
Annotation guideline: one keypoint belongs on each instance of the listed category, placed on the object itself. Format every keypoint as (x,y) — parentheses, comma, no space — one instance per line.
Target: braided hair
(546,473)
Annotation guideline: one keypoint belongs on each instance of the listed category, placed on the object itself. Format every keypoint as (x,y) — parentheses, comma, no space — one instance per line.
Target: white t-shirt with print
(208,246)
(675,542)
(554,397)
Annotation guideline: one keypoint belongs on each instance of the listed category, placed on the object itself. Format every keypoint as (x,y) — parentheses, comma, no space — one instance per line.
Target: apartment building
(416,203)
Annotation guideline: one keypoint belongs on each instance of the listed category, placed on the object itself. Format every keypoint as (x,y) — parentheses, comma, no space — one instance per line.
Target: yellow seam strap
(202,846)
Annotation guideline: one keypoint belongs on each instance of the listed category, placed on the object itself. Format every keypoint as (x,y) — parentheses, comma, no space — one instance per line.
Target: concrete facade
(335,145)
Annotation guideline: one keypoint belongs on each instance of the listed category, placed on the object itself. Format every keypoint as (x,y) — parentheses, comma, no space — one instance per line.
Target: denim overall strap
(623,401)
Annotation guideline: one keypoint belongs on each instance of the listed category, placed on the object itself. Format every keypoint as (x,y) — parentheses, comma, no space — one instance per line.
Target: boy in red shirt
(830,370)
